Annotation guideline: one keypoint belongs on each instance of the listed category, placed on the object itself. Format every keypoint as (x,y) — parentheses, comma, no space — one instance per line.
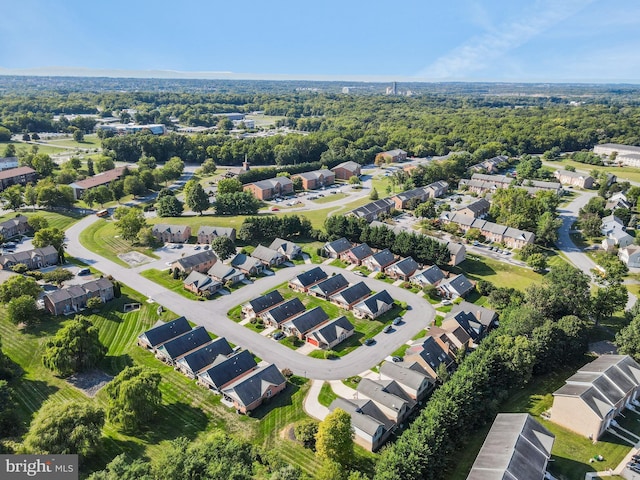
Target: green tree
(13,197)
(628,339)
(74,348)
(102,195)
(354,180)
(133,396)
(334,440)
(94,302)
(133,185)
(78,135)
(30,196)
(49,236)
(145,237)
(224,247)
(9,422)
(426,209)
(103,164)
(238,203)
(18,286)
(305,432)
(197,199)
(66,428)
(22,309)
(608,300)
(129,222)
(547,231)
(147,162)
(330,470)
(208,167)
(374,195)
(169,206)
(123,468)
(38,222)
(229,185)
(90,169)
(590,224)
(10,148)
(537,261)
(58,276)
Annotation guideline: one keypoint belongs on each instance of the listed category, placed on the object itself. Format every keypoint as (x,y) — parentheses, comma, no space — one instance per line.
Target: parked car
(84,271)
(275,209)
(387,329)
(278,335)
(359,273)
(397,321)
(206,247)
(369,341)
(446,302)
(396,359)
(198,247)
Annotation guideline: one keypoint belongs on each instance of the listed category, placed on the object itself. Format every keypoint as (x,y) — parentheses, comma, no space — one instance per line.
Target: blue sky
(465,40)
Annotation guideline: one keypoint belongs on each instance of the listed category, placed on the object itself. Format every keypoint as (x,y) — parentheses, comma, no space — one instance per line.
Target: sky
(428,40)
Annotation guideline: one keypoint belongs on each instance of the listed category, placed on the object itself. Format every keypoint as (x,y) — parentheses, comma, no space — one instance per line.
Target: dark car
(278,335)
(387,329)
(396,359)
(369,341)
(84,271)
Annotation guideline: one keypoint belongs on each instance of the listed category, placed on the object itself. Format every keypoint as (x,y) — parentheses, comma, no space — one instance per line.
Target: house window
(269,393)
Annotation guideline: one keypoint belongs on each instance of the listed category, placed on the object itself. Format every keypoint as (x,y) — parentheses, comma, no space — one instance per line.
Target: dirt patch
(287,433)
(134,259)
(91,382)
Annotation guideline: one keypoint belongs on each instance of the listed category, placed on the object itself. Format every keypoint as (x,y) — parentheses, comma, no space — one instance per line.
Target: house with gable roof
(225,273)
(224,370)
(199,262)
(374,306)
(337,247)
(257,306)
(175,348)
(304,323)
(402,269)
(429,276)
(454,287)
(171,233)
(331,333)
(305,280)
(201,284)
(370,425)
(268,256)
(357,254)
(289,249)
(163,332)
(248,391)
(379,261)
(202,357)
(350,296)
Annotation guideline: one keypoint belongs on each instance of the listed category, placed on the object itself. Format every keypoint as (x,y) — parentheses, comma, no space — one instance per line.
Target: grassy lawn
(55,219)
(90,142)
(401,351)
(48,149)
(339,263)
(331,198)
(623,173)
(161,277)
(290,342)
(499,273)
(311,249)
(571,452)
(327,395)
(102,238)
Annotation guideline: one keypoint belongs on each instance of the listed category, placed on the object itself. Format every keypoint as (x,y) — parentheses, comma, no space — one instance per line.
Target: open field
(61,220)
(623,173)
(48,149)
(330,198)
(90,142)
(161,277)
(499,273)
(102,238)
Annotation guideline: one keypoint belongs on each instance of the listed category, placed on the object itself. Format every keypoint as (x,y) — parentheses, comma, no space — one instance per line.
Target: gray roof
(222,271)
(285,246)
(374,208)
(186,342)
(272,182)
(483,315)
(404,376)
(406,266)
(331,285)
(245,262)
(311,276)
(265,254)
(361,420)
(217,231)
(224,370)
(519,234)
(266,301)
(373,303)
(352,294)
(25,256)
(332,330)
(383,258)
(619,146)
(361,251)
(459,284)
(517,447)
(308,321)
(479,206)
(377,393)
(492,178)
(200,280)
(197,259)
(432,274)
(15,221)
(430,351)
(566,173)
(315,174)
(286,310)
(175,229)
(347,165)
(249,388)
(207,354)
(340,245)
(167,331)
(394,152)
(413,193)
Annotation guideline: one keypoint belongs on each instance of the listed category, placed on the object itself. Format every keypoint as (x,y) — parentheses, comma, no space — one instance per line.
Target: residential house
(452,340)
(475,314)
(18,225)
(490,165)
(610,223)
(289,249)
(617,238)
(271,188)
(206,355)
(306,322)
(346,170)
(33,259)
(303,281)
(413,196)
(516,447)
(627,155)
(374,306)
(370,426)
(247,264)
(574,178)
(249,391)
(104,178)
(437,189)
(403,269)
(454,287)
(163,332)
(225,370)
(198,262)
(17,176)
(630,256)
(175,348)
(511,237)
(171,233)
(7,163)
(74,298)
(348,297)
(379,261)
(279,314)
(337,247)
(268,256)
(477,209)
(201,284)
(616,201)
(225,273)
(415,383)
(328,287)
(391,156)
(371,211)
(480,183)
(395,407)
(591,399)
(429,276)
(257,306)
(331,333)
(535,186)
(207,234)
(357,254)
(428,354)
(316,179)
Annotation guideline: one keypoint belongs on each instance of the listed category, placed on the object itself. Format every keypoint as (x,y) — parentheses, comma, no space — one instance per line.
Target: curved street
(213,314)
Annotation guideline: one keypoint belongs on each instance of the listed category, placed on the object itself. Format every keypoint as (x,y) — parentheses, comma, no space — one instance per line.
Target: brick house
(17,176)
(207,234)
(316,179)
(33,259)
(74,298)
(270,188)
(199,262)
(171,233)
(346,170)
(18,225)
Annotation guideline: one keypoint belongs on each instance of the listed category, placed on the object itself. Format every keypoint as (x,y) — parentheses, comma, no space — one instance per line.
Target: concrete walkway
(311,404)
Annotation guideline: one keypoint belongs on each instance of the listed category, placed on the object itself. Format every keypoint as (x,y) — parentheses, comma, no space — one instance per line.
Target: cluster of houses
(613,229)
(214,364)
(575,179)
(104,178)
(15,175)
(73,298)
(18,225)
(482,184)
(490,165)
(511,237)
(627,155)
(205,275)
(283,186)
(384,404)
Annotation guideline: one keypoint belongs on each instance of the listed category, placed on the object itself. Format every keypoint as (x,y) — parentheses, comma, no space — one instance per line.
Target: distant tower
(345,89)
(245,164)
(394,88)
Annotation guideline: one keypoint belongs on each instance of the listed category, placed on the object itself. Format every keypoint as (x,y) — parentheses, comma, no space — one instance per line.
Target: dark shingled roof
(205,355)
(308,320)
(286,310)
(361,251)
(331,331)
(225,370)
(167,331)
(404,376)
(372,303)
(266,301)
(197,259)
(312,276)
(186,342)
(331,285)
(352,294)
(365,422)
(406,266)
(485,316)
(338,246)
(383,258)
(249,388)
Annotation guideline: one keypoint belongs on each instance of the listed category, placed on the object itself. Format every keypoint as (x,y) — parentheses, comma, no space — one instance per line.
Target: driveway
(213,314)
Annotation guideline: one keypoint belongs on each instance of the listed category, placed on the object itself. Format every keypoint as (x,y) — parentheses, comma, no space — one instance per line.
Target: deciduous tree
(197,199)
(334,441)
(133,397)
(18,286)
(224,247)
(22,309)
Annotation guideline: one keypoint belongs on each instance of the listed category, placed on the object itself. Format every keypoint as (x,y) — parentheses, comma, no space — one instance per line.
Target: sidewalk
(311,404)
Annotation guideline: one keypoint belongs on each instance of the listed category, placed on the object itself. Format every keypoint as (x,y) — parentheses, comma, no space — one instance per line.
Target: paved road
(212,314)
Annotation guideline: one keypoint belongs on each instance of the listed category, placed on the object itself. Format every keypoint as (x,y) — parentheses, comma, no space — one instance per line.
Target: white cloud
(480,52)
